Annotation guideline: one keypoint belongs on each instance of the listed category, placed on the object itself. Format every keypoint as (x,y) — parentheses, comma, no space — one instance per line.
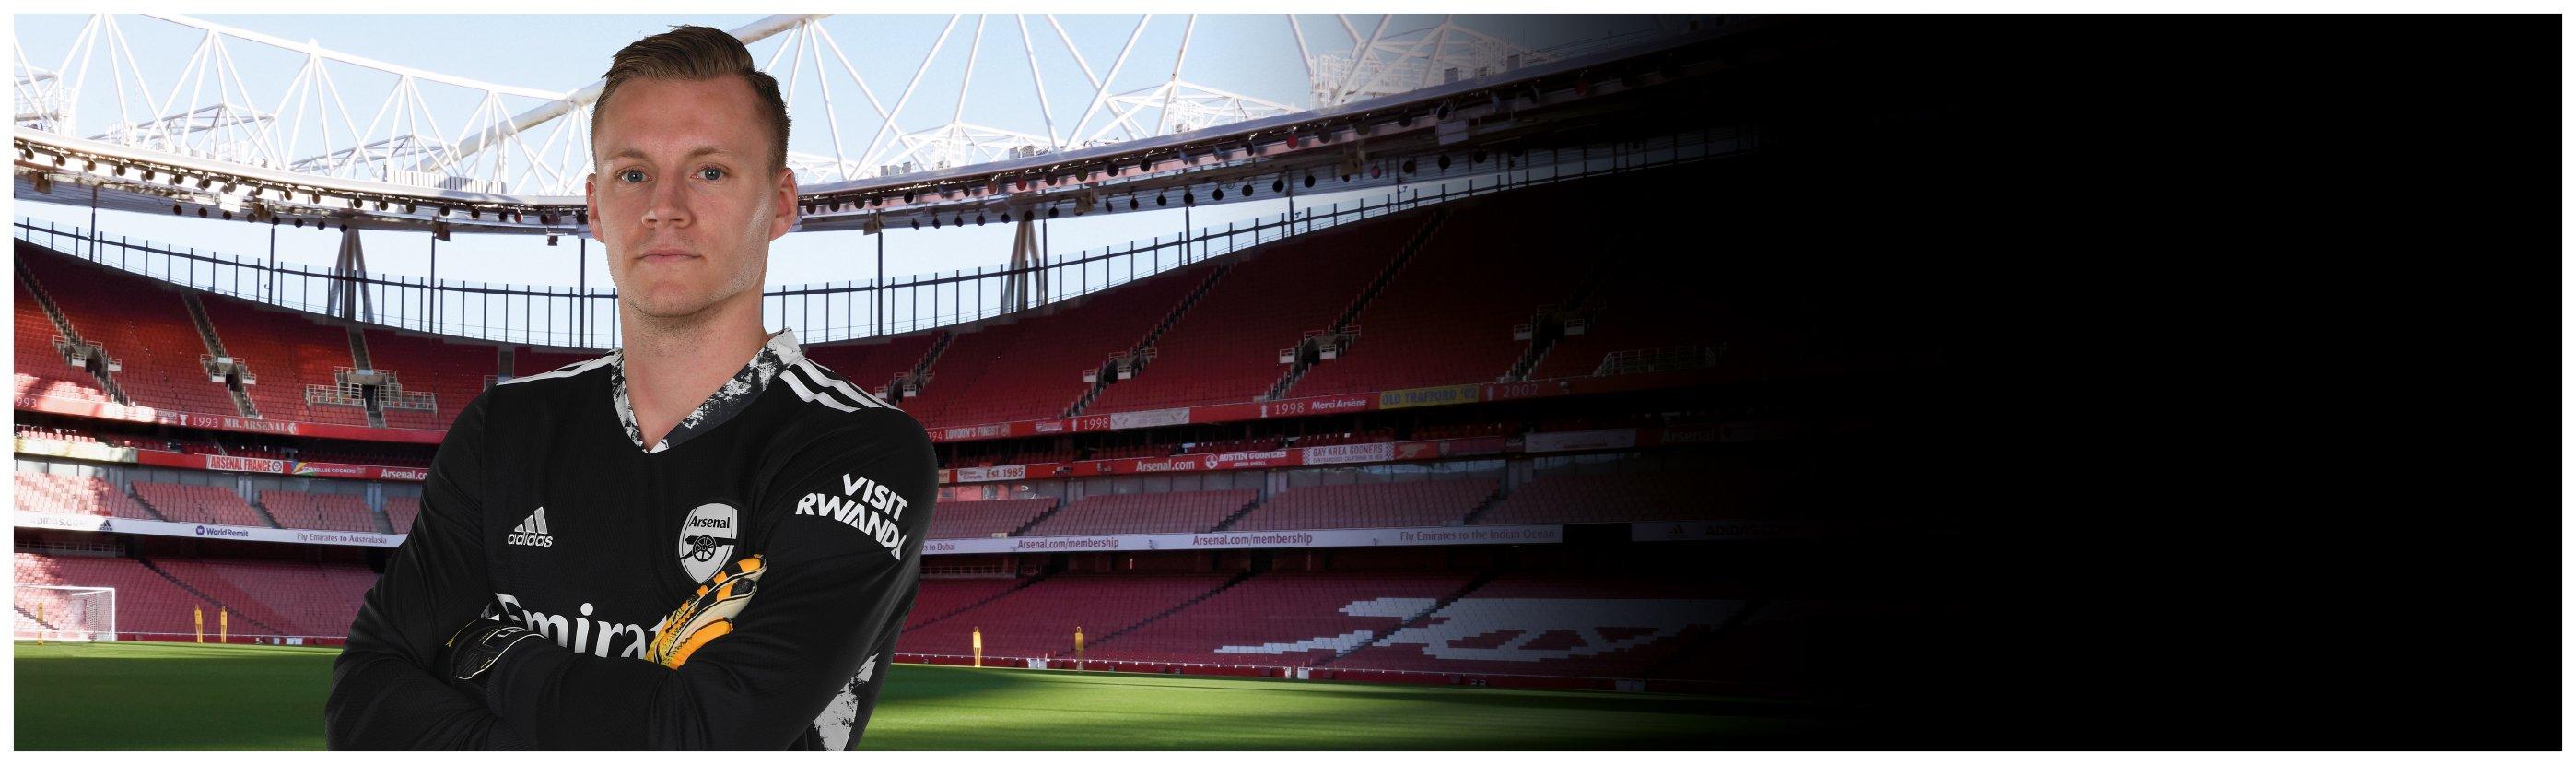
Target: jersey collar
(729,400)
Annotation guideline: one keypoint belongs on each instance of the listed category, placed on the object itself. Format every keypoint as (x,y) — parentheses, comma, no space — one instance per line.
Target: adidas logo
(532,532)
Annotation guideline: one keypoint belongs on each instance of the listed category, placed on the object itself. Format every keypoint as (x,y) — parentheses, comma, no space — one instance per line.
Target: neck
(673,363)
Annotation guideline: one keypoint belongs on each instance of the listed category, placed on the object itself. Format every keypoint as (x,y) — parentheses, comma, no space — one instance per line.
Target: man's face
(682,194)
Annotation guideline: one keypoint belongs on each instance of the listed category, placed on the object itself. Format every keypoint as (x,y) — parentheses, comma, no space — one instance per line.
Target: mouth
(665,255)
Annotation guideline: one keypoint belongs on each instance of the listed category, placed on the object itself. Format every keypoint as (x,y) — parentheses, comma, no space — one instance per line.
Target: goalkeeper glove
(469,655)
(708,615)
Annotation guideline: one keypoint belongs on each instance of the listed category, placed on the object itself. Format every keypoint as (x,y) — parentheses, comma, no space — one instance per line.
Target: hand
(469,655)
(708,615)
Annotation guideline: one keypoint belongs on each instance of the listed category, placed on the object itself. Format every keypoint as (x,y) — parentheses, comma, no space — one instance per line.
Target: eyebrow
(700,151)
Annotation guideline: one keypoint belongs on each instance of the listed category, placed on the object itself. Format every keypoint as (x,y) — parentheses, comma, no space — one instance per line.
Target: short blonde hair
(696,53)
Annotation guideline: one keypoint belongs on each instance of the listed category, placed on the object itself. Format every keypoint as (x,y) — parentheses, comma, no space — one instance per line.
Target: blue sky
(1253,55)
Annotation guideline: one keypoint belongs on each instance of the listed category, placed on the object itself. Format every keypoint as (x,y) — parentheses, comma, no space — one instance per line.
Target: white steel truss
(338,116)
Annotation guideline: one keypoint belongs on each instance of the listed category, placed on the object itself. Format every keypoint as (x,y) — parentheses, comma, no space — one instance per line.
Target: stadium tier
(41,369)
(989,518)
(198,504)
(451,373)
(401,512)
(1174,512)
(75,495)
(146,602)
(1448,316)
(1038,620)
(1032,368)
(1225,349)
(872,365)
(941,597)
(295,598)
(287,352)
(327,512)
(1370,505)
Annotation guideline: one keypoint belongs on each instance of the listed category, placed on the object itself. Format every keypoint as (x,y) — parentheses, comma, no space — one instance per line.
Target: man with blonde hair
(667,546)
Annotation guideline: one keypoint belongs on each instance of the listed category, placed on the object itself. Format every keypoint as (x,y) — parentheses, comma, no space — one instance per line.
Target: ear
(590,202)
(785,217)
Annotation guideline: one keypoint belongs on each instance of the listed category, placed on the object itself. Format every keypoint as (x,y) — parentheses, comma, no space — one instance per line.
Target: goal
(56,612)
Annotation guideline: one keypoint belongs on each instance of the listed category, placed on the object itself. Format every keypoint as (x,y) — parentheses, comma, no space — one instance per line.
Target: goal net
(56,612)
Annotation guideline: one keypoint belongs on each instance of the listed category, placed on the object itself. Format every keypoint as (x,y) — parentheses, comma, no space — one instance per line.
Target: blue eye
(712,173)
(631,176)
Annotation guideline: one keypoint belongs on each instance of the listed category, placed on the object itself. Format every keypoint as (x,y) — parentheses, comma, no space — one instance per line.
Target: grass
(186,696)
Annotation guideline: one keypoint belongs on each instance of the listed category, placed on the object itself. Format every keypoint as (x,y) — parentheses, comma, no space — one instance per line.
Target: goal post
(59,612)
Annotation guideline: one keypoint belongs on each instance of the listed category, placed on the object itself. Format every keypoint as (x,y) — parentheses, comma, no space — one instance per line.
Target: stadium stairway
(1482,579)
(1549,326)
(62,323)
(1142,353)
(1308,356)
(217,602)
(1488,503)
(262,509)
(215,348)
(1230,582)
(358,356)
(1238,515)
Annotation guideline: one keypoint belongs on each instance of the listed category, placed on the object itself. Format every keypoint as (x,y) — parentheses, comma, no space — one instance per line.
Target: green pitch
(185,696)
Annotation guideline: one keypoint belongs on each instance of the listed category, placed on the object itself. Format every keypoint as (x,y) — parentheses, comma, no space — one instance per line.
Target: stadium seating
(1586,625)
(41,370)
(1369,505)
(1285,618)
(145,602)
(299,598)
(1175,512)
(1032,368)
(199,504)
(870,365)
(1226,349)
(1039,620)
(1447,318)
(327,512)
(286,351)
(75,495)
(140,322)
(402,511)
(943,596)
(451,371)
(989,518)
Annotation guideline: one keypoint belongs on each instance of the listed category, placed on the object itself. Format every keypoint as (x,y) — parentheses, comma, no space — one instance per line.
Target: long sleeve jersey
(543,508)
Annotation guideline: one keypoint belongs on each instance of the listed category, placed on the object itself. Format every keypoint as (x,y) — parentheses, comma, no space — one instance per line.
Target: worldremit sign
(1242,540)
(36,520)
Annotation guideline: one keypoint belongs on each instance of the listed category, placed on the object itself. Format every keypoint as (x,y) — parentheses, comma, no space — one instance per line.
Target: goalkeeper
(703,540)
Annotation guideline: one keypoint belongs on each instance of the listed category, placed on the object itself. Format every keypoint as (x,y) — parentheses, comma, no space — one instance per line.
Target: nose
(669,204)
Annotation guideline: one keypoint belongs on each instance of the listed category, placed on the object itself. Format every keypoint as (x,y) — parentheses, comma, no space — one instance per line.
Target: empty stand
(299,598)
(451,372)
(1369,505)
(41,369)
(199,504)
(1226,349)
(327,512)
(1730,490)
(1447,317)
(145,601)
(287,352)
(871,365)
(1173,512)
(75,495)
(140,322)
(988,518)
(402,511)
(940,597)
(1032,368)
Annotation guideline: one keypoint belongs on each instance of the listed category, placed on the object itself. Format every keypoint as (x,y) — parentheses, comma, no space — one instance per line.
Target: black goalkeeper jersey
(544,509)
